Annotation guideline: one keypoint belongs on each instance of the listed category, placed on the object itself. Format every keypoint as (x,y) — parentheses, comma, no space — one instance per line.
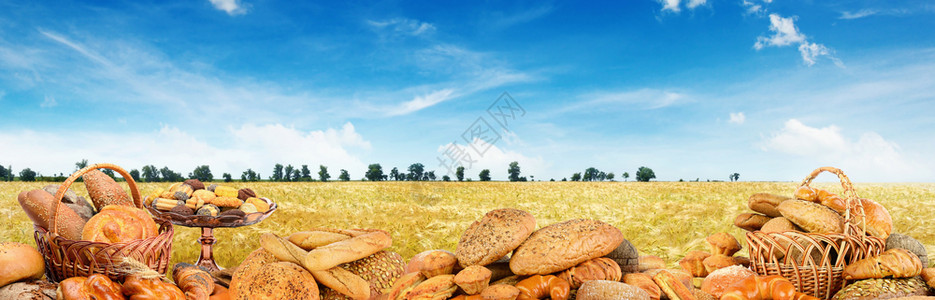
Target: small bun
(606,289)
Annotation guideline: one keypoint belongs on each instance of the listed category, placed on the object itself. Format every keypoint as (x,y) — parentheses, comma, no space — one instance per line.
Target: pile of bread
(192,197)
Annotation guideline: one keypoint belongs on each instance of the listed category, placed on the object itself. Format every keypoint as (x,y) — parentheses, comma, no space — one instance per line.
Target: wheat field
(666,219)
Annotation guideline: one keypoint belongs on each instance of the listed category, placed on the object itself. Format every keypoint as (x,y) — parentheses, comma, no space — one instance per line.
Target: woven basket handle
(134,191)
(851,198)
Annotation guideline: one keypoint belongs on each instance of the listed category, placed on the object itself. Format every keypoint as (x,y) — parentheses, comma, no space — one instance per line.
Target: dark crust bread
(494,236)
(564,245)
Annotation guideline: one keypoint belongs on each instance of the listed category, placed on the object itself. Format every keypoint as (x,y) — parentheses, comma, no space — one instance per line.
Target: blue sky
(692,89)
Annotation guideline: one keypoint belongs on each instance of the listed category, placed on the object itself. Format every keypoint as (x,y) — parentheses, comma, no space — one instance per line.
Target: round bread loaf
(380,270)
(563,245)
(813,217)
(104,190)
(896,240)
(432,263)
(718,281)
(119,223)
(28,290)
(251,264)
(606,289)
(879,222)
(626,257)
(494,236)
(278,280)
(882,289)
(19,262)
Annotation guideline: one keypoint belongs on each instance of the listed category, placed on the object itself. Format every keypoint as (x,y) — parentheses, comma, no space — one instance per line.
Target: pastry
(403,286)
(563,245)
(226,202)
(672,287)
(226,191)
(644,282)
(763,287)
(194,281)
(807,193)
(895,263)
(245,193)
(879,222)
(493,236)
(248,208)
(96,286)
(195,184)
(605,289)
(205,196)
(119,223)
(500,292)
(473,279)
(19,262)
(136,287)
(928,274)
(649,262)
(813,217)
(719,280)
(896,240)
(832,201)
(182,210)
(184,188)
(438,287)
(693,263)
(600,268)
(540,287)
(750,221)
(104,190)
(723,243)
(432,263)
(208,210)
(261,206)
(714,262)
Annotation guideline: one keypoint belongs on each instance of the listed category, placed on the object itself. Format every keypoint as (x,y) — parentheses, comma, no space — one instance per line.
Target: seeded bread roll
(104,190)
(882,289)
(606,289)
(813,217)
(494,236)
(380,270)
(563,245)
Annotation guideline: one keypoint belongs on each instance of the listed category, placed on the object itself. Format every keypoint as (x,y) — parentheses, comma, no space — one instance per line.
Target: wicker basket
(65,258)
(814,263)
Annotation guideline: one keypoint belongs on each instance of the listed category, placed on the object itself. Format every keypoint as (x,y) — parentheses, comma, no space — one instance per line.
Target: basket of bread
(191,203)
(810,238)
(78,239)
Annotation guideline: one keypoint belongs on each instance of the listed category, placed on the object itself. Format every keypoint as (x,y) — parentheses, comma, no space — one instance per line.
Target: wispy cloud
(231,7)
(421,102)
(692,4)
(503,20)
(785,33)
(48,102)
(671,5)
(737,118)
(642,99)
(404,26)
(847,15)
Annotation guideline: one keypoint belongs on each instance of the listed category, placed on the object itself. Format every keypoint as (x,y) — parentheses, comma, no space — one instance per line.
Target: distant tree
(601,176)
(610,176)
(459,173)
(446,178)
(374,172)
(81,164)
(4,173)
(249,175)
(306,173)
(425,176)
(394,174)
(644,174)
(576,177)
(552,179)
(344,175)
(513,171)
(735,177)
(625,176)
(287,173)
(323,173)
(202,173)
(484,175)
(430,175)
(296,175)
(110,173)
(27,174)
(150,174)
(169,175)
(416,170)
(590,174)
(277,173)
(135,174)
(227,177)
(564,179)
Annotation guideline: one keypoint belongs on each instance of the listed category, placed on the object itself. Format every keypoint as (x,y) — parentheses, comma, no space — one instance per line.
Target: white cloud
(421,102)
(811,51)
(231,7)
(695,3)
(232,151)
(847,15)
(48,102)
(753,7)
(404,26)
(785,33)
(737,118)
(670,5)
(646,99)
(494,158)
(869,156)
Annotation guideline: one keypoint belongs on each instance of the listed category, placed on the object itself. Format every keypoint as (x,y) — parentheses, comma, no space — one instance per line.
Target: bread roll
(473,279)
(766,203)
(813,217)
(432,263)
(780,224)
(19,262)
(879,222)
(104,190)
(750,221)
(693,263)
(723,243)
(118,224)
(277,280)
(438,287)
(96,286)
(494,236)
(500,292)
(896,240)
(605,289)
(832,201)
(329,256)
(719,280)
(541,287)
(718,261)
(807,193)
(600,268)
(563,245)
(38,207)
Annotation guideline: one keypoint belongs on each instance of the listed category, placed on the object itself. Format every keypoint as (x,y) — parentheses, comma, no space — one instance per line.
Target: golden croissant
(895,263)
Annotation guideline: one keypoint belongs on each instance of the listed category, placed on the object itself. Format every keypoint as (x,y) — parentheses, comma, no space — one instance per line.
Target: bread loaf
(312,239)
(493,236)
(19,262)
(750,221)
(605,289)
(96,286)
(896,240)
(766,203)
(897,263)
(136,287)
(277,280)
(104,190)
(626,257)
(29,290)
(76,203)
(870,289)
(563,245)
(813,217)
(329,256)
(118,224)
(878,220)
(779,224)
(719,280)
(644,282)
(38,207)
(379,270)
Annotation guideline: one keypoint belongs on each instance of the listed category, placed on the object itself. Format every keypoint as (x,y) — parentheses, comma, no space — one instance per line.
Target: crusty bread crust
(563,245)
(494,236)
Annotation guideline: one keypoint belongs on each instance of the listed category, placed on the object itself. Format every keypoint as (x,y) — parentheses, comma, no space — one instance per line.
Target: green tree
(576,177)
(430,175)
(446,178)
(374,172)
(202,173)
(590,174)
(287,173)
(394,174)
(306,173)
(625,176)
(135,174)
(169,175)
(27,174)
(4,173)
(459,173)
(610,176)
(227,177)
(323,173)
(277,173)
(296,175)
(81,164)
(249,175)
(344,176)
(484,175)
(644,174)
(416,170)
(150,173)
(735,177)
(513,171)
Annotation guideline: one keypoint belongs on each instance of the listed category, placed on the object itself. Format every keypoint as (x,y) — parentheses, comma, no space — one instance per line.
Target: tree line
(290,173)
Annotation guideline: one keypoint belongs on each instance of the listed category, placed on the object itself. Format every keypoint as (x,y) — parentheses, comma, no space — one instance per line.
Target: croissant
(896,263)
(539,287)
(96,286)
(137,288)
(764,288)
(600,268)
(194,281)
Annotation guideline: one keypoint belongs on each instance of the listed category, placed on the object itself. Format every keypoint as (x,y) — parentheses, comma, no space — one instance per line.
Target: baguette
(344,282)
(329,256)
(766,203)
(309,240)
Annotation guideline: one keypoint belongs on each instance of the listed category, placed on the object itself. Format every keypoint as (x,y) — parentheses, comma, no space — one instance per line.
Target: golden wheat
(660,218)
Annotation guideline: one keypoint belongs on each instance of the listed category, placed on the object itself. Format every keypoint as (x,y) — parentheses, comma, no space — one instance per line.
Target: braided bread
(600,268)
